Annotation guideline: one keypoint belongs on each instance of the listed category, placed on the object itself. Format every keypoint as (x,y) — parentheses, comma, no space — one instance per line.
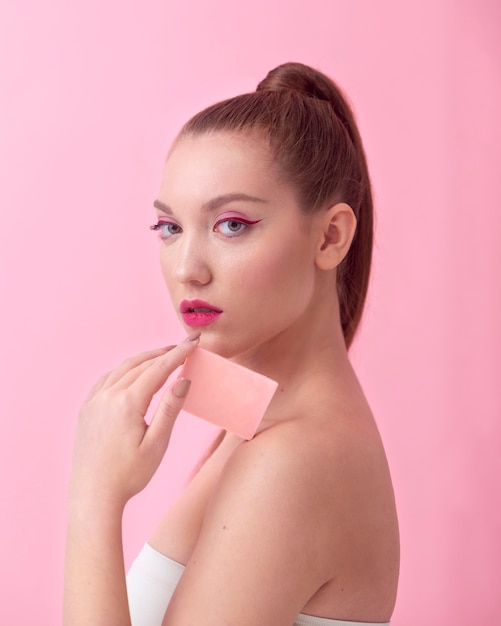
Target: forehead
(236,143)
(219,163)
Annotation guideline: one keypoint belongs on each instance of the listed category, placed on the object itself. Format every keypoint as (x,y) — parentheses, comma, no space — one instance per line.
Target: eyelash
(158,226)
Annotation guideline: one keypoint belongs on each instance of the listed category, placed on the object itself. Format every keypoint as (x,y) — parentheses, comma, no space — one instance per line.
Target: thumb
(160,428)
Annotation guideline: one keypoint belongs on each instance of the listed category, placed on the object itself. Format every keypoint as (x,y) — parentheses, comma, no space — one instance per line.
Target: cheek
(282,271)
(164,265)
(166,269)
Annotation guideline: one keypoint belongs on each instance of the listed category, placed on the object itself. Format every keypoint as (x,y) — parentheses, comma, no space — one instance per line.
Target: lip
(193,316)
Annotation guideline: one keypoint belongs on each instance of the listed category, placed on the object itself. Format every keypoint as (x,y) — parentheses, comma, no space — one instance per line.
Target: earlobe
(337,229)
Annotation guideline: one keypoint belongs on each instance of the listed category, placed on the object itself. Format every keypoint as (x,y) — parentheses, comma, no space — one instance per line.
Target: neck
(313,346)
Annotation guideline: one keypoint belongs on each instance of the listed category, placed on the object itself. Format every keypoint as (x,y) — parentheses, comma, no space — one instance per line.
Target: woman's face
(237,254)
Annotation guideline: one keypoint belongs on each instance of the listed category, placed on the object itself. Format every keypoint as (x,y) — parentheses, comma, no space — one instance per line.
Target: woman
(265,220)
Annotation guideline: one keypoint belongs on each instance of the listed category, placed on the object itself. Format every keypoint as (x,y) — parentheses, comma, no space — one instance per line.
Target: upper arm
(257,560)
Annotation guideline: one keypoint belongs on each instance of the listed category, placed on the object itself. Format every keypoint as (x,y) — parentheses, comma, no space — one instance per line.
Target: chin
(224,346)
(215,344)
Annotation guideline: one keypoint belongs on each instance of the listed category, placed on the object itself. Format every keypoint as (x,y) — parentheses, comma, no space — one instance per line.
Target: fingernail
(194,337)
(181,387)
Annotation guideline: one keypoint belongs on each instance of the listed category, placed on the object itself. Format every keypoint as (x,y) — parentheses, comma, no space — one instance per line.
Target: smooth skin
(302,517)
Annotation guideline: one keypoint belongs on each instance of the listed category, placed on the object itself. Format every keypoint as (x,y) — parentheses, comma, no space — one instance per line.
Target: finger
(130,377)
(155,376)
(159,431)
(131,363)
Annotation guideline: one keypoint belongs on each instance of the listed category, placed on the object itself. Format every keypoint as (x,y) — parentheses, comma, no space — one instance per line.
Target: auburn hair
(312,133)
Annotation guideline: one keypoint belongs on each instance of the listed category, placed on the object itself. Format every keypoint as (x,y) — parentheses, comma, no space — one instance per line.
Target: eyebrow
(214,203)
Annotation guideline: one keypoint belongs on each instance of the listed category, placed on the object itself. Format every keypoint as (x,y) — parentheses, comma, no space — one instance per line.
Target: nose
(191,262)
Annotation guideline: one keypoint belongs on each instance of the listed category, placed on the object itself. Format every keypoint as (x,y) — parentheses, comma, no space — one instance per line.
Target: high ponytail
(312,132)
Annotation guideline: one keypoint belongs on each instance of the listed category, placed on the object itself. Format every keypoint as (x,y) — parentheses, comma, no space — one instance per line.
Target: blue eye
(231,227)
(166,229)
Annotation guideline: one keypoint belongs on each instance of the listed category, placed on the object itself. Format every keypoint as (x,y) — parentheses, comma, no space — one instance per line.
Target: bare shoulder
(305,454)
(293,520)
(326,476)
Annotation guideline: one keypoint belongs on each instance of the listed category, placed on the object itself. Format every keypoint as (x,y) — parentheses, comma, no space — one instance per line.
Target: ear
(336,231)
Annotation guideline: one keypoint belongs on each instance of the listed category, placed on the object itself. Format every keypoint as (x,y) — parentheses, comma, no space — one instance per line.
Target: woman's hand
(115,455)
(116,452)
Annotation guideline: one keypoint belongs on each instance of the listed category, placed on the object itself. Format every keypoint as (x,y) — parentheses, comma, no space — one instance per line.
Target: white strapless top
(152,580)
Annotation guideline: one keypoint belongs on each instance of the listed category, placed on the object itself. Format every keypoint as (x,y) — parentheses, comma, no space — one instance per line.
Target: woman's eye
(166,229)
(231,227)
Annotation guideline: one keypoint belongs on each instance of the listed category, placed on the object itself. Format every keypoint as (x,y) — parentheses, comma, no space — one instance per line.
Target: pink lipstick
(198,313)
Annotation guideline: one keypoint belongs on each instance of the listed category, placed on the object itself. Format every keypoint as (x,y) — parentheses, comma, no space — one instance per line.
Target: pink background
(91,95)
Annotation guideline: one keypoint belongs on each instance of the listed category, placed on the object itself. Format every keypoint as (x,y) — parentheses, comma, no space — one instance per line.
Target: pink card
(226,394)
